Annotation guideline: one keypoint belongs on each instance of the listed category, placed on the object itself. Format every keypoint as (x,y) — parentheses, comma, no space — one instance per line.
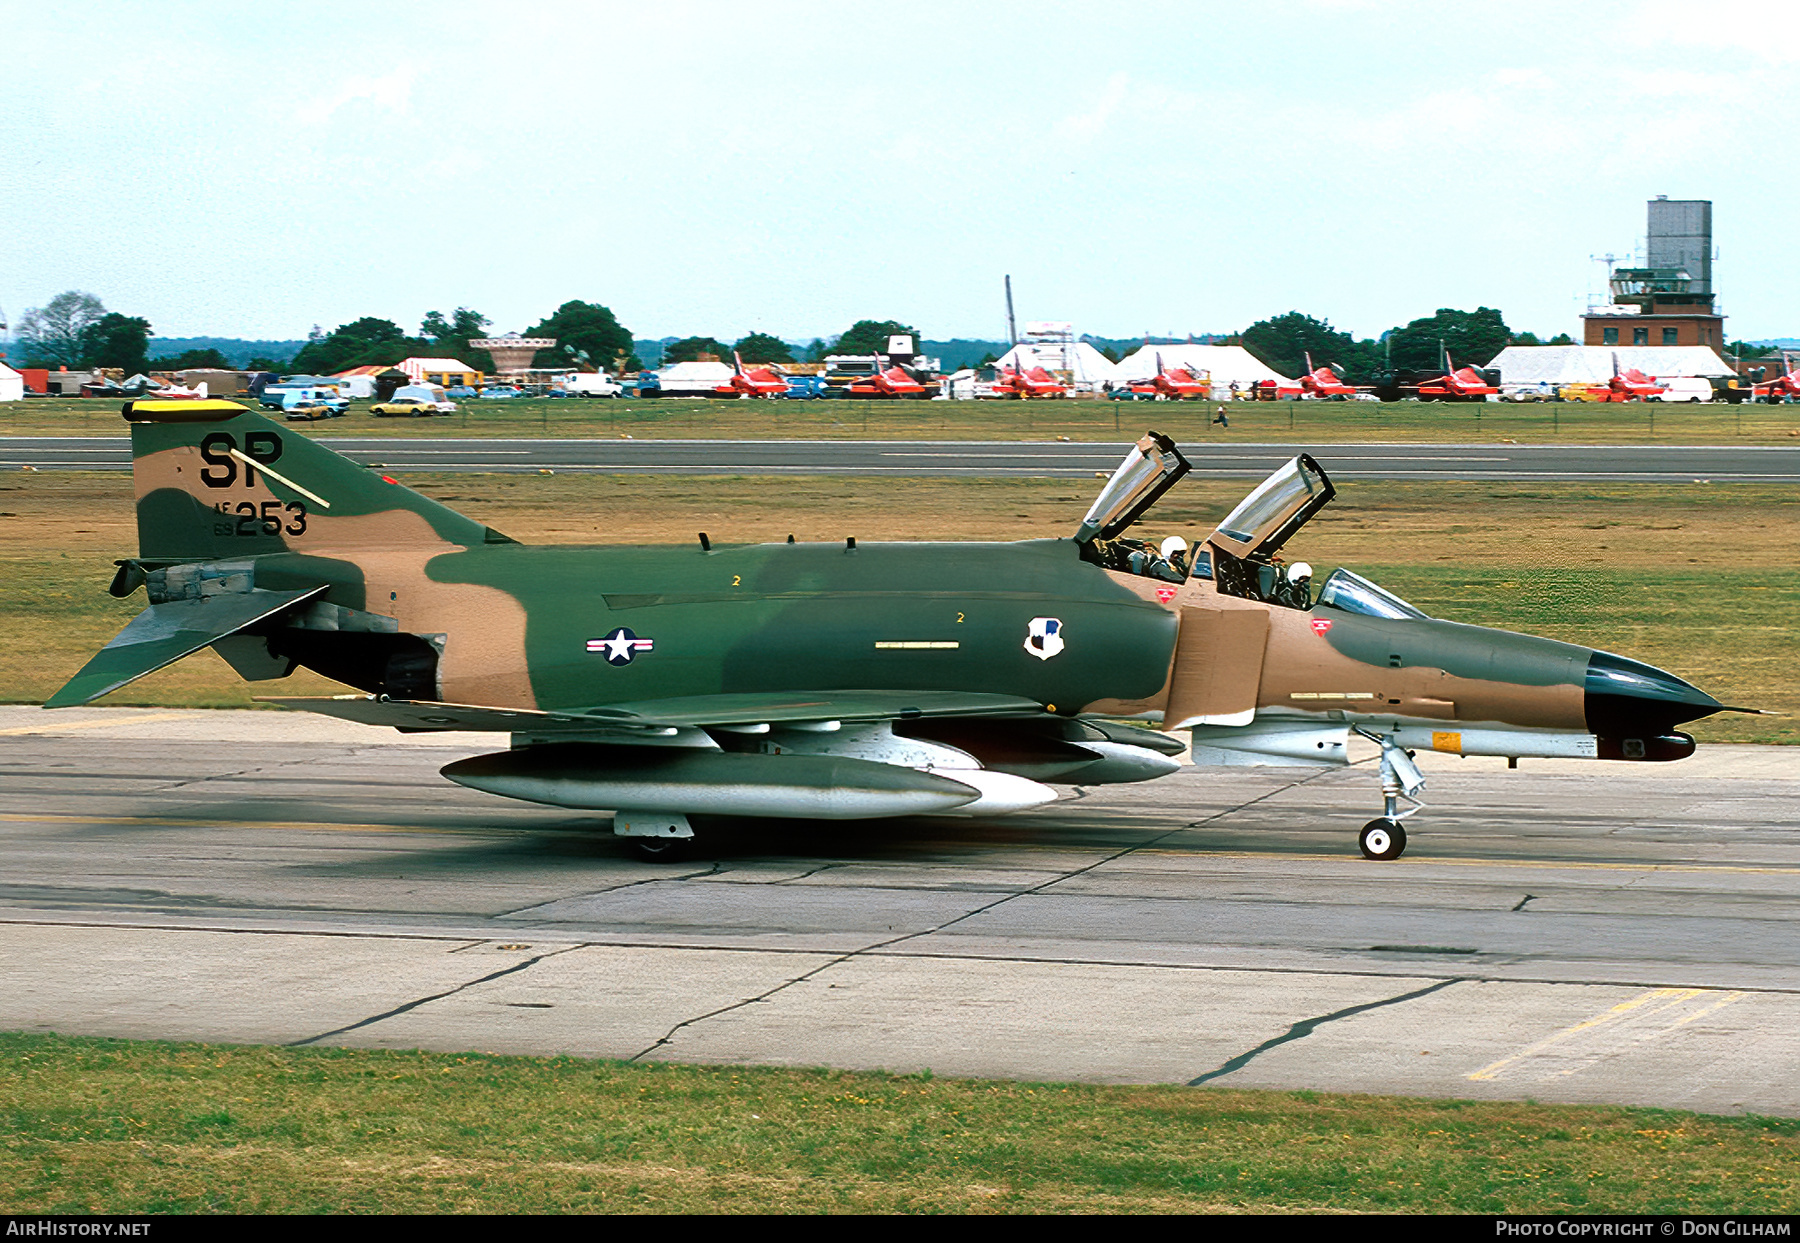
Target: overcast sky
(712,168)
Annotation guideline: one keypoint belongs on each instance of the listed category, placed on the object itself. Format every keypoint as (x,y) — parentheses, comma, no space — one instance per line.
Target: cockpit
(1242,554)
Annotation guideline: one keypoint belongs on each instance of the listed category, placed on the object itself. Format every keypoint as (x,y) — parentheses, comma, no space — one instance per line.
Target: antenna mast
(1012,329)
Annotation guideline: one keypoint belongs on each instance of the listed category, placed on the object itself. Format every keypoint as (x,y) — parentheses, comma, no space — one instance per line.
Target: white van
(1685,388)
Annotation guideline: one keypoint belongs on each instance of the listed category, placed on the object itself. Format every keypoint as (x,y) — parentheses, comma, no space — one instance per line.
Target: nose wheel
(1400,779)
(1382,839)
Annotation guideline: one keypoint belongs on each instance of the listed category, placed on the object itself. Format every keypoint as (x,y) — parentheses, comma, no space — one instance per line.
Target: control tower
(1670,300)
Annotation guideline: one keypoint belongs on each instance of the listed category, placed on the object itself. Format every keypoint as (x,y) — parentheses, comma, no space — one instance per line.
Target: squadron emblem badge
(1043,637)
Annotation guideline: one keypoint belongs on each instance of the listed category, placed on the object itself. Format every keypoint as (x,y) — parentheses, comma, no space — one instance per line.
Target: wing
(164,633)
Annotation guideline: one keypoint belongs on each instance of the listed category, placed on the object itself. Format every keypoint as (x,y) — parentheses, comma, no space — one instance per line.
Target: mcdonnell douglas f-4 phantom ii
(828,681)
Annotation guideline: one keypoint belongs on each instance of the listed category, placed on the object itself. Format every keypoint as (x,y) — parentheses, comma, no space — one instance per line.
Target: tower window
(1640,336)
(1669,336)
(1609,336)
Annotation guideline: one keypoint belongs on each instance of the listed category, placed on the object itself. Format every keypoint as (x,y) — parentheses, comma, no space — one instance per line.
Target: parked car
(462,391)
(1536,390)
(309,411)
(500,392)
(404,406)
(416,399)
(806,388)
(286,398)
(294,398)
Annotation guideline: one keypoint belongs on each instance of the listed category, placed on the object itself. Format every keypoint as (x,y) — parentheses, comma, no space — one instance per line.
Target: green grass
(114,1126)
(1316,422)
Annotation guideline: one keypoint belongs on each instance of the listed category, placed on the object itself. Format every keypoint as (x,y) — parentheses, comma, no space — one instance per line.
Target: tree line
(75,330)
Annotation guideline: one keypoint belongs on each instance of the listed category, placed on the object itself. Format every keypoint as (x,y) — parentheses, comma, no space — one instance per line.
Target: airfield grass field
(1701,580)
(113,1126)
(1081,420)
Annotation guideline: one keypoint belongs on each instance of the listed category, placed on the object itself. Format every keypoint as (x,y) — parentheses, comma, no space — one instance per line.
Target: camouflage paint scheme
(280,553)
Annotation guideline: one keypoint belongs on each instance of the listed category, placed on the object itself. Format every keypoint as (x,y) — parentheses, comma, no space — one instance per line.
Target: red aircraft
(891,382)
(1022,382)
(1457,384)
(1323,382)
(1784,387)
(1632,384)
(751,382)
(1178,385)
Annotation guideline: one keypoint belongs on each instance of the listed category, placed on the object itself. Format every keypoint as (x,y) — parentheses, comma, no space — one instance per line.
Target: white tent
(1225,363)
(1545,365)
(12,384)
(1087,366)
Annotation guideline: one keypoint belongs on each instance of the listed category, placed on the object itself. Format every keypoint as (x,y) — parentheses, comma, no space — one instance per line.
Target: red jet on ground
(1178,385)
(1632,384)
(751,382)
(1784,387)
(1458,384)
(891,382)
(1323,382)
(1023,382)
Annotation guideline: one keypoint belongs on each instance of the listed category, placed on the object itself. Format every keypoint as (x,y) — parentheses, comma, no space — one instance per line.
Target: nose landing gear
(1400,779)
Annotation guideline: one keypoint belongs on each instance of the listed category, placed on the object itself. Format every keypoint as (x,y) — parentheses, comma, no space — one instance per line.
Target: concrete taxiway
(1603,933)
(990,459)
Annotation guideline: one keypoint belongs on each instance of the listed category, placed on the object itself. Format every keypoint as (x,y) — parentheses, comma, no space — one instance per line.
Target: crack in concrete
(1530,897)
(711,870)
(449,992)
(1306,1027)
(669,1036)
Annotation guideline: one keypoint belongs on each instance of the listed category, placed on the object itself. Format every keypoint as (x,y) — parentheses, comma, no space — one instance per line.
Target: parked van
(1685,388)
(591,384)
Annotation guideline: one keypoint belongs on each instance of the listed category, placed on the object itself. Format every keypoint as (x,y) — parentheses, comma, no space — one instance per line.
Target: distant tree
(1561,338)
(54,334)
(367,342)
(688,349)
(1284,342)
(116,340)
(760,347)
(192,358)
(989,359)
(1473,338)
(870,336)
(1110,354)
(265,364)
(820,347)
(587,328)
(1748,349)
(450,337)
(1524,338)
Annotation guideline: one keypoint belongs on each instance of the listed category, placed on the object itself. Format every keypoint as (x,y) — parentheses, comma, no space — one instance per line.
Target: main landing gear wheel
(661,849)
(1382,839)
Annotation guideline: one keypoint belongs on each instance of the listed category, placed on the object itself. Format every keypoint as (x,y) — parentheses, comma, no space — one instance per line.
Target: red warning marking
(1320,625)
(391,479)
(1165,594)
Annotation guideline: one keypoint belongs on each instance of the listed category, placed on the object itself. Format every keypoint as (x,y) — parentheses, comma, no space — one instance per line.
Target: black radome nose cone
(1629,699)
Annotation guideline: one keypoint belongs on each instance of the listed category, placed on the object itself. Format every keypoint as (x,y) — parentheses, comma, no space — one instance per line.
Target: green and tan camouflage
(824,680)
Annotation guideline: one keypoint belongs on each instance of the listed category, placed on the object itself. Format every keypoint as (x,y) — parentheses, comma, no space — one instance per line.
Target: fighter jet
(832,681)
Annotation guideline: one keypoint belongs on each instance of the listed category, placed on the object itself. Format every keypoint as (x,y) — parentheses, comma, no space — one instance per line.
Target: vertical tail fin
(216,480)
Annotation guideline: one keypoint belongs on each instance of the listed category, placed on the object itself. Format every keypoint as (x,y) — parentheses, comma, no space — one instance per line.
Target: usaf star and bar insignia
(620,646)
